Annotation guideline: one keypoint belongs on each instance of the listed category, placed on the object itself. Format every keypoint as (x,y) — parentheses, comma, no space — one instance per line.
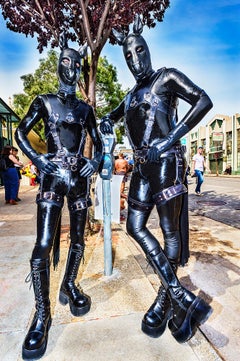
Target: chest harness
(140,155)
(73,163)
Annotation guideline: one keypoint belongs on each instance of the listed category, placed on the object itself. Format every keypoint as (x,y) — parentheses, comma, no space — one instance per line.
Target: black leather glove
(157,149)
(106,125)
(89,168)
(153,154)
(43,163)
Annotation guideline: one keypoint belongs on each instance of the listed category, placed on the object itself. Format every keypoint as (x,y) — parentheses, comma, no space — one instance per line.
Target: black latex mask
(69,68)
(137,56)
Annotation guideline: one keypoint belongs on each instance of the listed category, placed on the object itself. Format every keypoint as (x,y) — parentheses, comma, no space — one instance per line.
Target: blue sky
(200,38)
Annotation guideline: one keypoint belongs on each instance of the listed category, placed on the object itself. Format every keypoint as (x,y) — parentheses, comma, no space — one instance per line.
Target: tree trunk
(91,98)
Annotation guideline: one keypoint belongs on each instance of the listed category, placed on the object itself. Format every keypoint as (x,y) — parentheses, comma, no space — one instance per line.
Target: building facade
(220,139)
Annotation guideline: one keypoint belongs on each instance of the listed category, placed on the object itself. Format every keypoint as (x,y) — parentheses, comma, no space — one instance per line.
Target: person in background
(130,164)
(121,168)
(198,167)
(18,167)
(34,175)
(228,170)
(10,176)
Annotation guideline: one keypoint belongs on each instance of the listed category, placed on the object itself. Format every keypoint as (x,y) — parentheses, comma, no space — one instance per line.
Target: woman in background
(10,176)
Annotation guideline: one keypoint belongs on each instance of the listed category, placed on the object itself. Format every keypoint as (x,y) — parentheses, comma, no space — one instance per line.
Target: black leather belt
(141,155)
(72,163)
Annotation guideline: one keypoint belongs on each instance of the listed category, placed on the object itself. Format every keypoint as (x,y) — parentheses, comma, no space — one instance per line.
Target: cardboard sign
(115,184)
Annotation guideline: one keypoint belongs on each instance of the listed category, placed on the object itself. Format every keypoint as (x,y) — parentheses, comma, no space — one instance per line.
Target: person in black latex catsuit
(150,113)
(64,172)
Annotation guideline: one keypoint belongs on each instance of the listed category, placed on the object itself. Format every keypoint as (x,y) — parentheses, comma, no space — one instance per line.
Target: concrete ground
(112,328)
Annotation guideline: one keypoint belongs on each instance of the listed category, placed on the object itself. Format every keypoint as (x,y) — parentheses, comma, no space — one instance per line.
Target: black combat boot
(78,301)
(35,342)
(155,319)
(187,310)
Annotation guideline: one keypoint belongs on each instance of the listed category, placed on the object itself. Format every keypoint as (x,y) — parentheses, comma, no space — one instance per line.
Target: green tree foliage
(108,90)
(44,80)
(82,21)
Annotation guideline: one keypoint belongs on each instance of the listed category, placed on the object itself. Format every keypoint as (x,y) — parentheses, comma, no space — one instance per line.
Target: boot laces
(161,297)
(30,276)
(34,277)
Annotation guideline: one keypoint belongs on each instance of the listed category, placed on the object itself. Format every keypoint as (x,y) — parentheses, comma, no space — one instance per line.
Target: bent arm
(179,85)
(93,132)
(118,112)
(182,87)
(14,160)
(32,117)
(35,113)
(92,165)
(108,120)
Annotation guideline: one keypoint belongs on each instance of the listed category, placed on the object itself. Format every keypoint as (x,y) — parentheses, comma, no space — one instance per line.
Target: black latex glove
(153,154)
(106,125)
(89,168)
(43,163)
(156,150)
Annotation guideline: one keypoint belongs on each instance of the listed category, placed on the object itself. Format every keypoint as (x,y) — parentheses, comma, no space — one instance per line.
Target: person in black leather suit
(63,172)
(158,179)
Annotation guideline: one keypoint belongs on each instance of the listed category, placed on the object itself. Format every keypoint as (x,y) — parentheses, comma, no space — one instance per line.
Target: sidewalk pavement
(112,328)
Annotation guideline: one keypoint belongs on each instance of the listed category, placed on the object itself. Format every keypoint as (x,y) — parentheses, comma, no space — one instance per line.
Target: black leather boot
(155,319)
(187,310)
(35,342)
(78,301)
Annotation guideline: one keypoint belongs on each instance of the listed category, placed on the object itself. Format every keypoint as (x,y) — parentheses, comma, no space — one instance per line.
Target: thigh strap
(169,193)
(50,196)
(79,204)
(139,206)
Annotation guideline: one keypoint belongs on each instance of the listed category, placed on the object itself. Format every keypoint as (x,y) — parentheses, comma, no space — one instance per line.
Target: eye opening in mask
(66,61)
(139,49)
(128,55)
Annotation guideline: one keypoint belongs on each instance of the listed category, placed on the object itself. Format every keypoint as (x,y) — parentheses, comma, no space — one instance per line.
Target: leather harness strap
(169,193)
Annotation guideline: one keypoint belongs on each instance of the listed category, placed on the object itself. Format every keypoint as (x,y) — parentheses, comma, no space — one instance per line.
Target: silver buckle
(72,160)
(49,195)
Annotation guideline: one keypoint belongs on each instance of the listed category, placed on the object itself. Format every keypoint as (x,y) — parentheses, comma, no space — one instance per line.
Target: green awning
(7,113)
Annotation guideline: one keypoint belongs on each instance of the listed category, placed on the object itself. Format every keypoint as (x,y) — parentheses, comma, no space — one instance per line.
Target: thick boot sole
(39,352)
(196,315)
(76,311)
(157,331)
